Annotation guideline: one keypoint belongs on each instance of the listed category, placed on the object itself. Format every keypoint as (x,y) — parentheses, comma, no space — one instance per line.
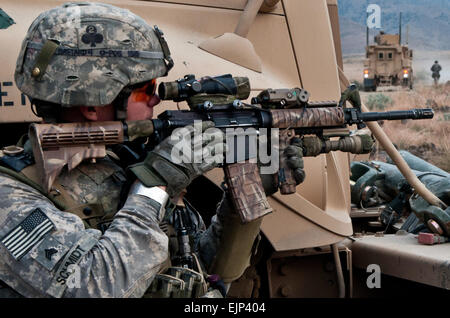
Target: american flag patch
(30,231)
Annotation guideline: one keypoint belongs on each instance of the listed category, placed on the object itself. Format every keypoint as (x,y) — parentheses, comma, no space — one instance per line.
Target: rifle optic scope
(189,86)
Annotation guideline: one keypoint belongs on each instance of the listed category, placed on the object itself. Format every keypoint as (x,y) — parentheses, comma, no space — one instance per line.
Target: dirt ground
(428,139)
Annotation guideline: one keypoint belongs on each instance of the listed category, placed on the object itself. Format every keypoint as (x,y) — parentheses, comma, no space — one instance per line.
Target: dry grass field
(428,139)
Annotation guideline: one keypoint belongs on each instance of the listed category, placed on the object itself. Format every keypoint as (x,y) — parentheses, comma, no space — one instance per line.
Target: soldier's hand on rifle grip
(294,159)
(291,171)
(180,158)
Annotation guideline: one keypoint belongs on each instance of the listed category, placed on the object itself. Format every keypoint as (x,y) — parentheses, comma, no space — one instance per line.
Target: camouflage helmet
(86,53)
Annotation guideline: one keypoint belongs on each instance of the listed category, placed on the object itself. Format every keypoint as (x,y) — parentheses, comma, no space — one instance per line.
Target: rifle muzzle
(421,113)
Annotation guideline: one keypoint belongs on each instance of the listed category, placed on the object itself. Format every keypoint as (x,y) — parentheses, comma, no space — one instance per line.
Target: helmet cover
(100,50)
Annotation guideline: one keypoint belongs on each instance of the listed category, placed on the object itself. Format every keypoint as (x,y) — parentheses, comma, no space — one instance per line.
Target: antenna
(407,34)
(400,30)
(367,29)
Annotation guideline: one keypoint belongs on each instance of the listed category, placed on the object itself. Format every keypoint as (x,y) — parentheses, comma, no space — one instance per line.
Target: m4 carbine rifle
(218,99)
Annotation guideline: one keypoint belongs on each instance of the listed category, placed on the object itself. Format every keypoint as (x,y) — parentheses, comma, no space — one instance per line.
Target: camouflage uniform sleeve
(120,263)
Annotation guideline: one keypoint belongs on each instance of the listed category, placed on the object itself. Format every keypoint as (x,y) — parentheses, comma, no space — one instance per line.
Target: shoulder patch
(30,231)
(49,252)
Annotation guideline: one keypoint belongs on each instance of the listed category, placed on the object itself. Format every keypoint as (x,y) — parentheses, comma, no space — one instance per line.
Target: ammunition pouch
(177,282)
(165,286)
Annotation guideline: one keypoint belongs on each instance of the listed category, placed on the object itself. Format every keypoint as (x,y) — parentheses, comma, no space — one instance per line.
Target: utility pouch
(194,284)
(165,286)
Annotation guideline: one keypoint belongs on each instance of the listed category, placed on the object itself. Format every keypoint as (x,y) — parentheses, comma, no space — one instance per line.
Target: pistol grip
(246,190)
(286,179)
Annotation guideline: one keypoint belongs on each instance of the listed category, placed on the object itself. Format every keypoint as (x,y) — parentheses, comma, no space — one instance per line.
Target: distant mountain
(428,21)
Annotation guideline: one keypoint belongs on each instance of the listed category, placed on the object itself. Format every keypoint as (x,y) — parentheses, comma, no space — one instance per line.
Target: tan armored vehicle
(388,63)
(306,247)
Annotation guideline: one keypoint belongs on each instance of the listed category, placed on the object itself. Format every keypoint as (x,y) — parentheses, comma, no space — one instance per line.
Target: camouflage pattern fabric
(307,117)
(96,50)
(246,190)
(120,263)
(99,183)
(101,49)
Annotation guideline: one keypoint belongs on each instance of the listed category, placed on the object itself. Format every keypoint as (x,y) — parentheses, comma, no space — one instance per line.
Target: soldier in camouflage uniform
(435,69)
(92,62)
(84,55)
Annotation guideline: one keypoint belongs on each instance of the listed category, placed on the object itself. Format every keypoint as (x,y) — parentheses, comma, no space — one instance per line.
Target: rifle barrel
(423,113)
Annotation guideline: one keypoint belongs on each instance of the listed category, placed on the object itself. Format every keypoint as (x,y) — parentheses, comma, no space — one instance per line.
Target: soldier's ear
(90,113)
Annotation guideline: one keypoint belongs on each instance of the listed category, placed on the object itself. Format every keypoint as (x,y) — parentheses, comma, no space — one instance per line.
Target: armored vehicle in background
(388,63)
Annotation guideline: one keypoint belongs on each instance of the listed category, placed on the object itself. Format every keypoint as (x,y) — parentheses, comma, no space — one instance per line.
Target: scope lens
(168,90)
